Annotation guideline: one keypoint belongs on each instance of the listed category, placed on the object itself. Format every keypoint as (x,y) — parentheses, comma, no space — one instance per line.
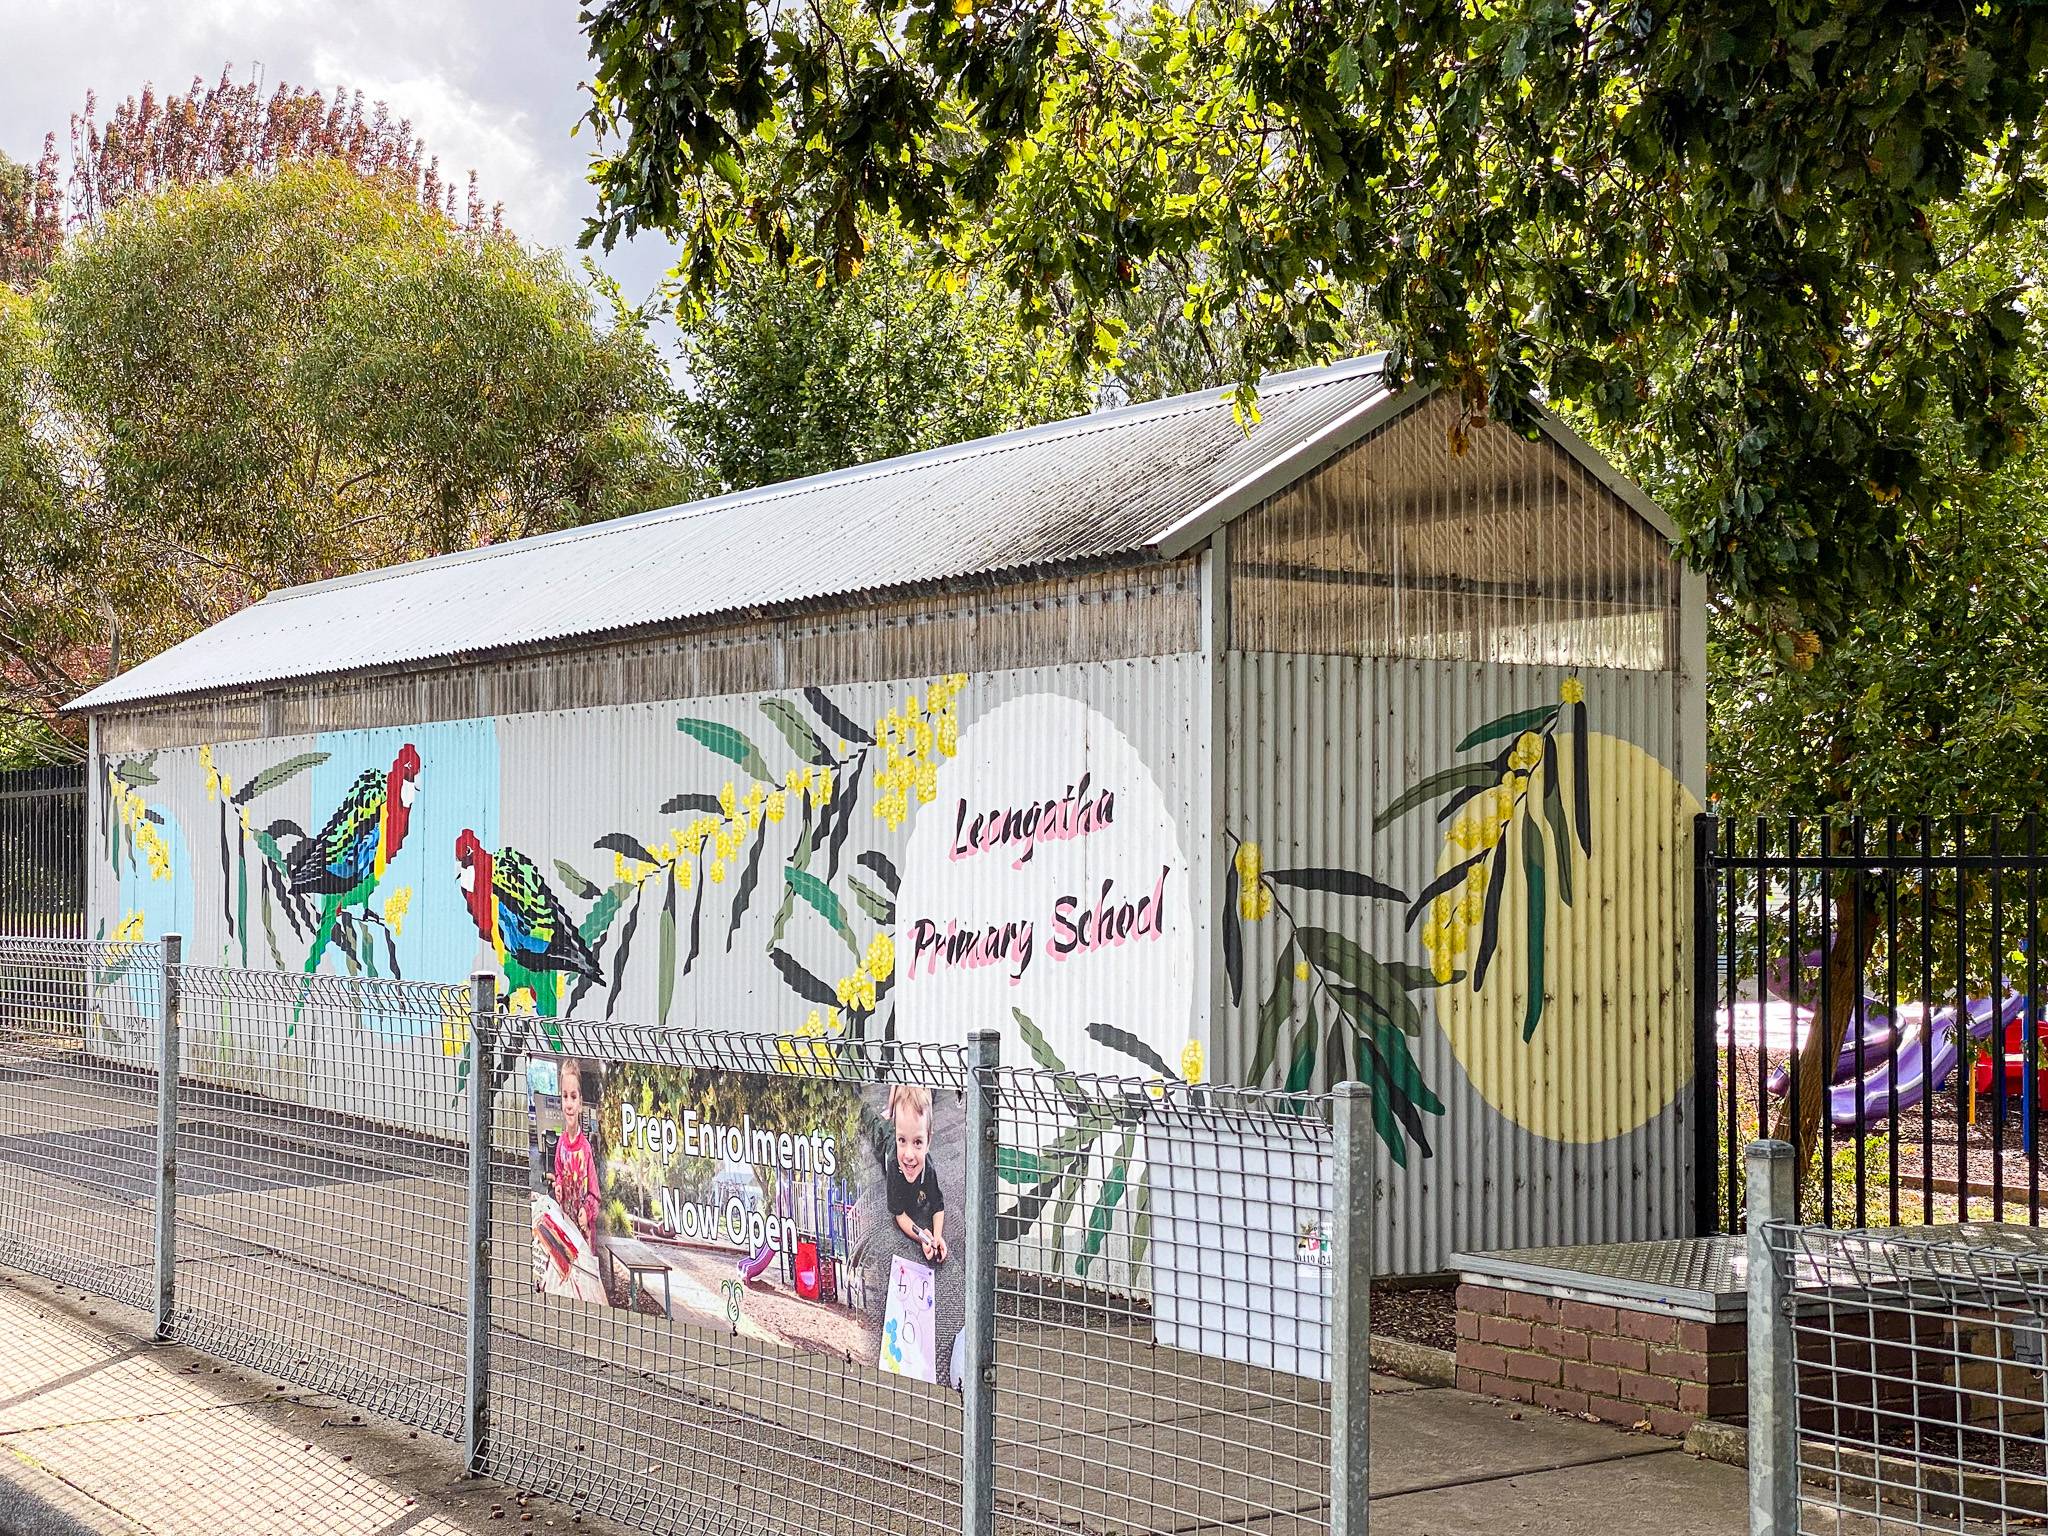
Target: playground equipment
(1886,1065)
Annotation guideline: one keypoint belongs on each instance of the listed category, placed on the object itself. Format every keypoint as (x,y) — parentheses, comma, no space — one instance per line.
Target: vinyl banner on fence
(793,1209)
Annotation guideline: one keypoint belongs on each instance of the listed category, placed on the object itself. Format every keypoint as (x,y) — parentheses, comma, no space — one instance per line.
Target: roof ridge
(879,469)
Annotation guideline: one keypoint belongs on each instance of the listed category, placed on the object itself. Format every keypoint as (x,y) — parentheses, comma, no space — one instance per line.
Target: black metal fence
(42,853)
(1868,990)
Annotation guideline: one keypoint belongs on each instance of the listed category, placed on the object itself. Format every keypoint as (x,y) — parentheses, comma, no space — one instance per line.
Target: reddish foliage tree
(213,131)
(31,218)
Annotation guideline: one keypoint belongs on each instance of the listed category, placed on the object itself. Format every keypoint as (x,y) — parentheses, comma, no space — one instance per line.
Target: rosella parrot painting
(535,939)
(342,863)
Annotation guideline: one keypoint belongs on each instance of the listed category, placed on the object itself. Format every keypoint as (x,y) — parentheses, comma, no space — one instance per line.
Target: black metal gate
(1887,973)
(42,853)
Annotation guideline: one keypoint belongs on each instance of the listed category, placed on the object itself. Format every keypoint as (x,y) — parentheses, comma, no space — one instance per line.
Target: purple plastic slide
(757,1261)
(1917,1065)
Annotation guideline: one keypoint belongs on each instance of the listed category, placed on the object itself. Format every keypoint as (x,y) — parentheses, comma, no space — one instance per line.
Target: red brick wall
(1621,1366)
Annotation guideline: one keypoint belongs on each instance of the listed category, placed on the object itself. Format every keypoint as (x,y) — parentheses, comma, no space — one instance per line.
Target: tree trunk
(1855,933)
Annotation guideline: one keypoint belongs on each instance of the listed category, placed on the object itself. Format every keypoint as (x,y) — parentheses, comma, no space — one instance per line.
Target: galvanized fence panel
(1920,1389)
(675,1423)
(78,1095)
(321,1232)
(1163,1307)
(1159,1258)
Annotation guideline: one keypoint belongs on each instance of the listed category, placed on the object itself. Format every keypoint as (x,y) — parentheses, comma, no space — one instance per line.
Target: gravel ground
(1421,1315)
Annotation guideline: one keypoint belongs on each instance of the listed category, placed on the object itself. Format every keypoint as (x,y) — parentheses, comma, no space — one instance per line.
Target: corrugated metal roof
(1116,483)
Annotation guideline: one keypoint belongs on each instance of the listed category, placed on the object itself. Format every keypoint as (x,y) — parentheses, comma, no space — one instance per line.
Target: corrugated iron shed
(1125,483)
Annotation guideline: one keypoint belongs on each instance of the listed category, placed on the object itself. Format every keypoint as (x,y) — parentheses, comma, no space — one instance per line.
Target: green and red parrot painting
(343,862)
(523,921)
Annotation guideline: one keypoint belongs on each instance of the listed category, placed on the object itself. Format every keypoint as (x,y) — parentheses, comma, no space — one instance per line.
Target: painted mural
(1460,918)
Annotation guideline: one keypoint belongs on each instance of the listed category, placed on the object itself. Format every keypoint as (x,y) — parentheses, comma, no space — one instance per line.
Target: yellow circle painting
(1609,1044)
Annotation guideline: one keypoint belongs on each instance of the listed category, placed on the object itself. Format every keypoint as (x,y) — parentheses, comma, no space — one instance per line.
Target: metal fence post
(978,1373)
(1351,1224)
(1706,1028)
(1773,1360)
(168,1003)
(476,1386)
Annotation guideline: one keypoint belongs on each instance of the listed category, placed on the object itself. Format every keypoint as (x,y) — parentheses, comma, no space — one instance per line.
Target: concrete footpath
(102,1431)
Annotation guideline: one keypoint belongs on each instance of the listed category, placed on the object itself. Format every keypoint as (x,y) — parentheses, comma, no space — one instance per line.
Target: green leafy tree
(1709,219)
(790,376)
(229,387)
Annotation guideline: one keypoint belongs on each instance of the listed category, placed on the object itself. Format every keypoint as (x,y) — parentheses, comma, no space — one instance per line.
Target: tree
(275,378)
(31,221)
(791,377)
(1688,218)
(148,144)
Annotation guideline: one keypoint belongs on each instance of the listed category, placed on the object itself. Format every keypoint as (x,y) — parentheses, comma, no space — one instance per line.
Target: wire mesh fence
(78,1094)
(728,1275)
(1921,1390)
(1895,1376)
(322,1185)
(674,1379)
(1163,1307)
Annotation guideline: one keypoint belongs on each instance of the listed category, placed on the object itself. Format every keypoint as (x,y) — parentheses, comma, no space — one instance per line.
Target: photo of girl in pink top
(575,1178)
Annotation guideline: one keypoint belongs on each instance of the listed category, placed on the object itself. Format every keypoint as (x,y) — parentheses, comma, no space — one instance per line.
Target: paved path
(101,1431)
(104,1432)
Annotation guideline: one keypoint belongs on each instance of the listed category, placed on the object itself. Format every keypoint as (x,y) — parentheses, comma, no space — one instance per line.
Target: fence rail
(1879,980)
(1154,1297)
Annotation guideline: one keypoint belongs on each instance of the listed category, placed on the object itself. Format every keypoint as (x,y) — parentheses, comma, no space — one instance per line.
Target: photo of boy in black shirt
(915,1199)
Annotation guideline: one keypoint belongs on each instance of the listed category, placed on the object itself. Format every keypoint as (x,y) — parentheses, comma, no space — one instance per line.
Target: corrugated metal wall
(1578,1133)
(1385,613)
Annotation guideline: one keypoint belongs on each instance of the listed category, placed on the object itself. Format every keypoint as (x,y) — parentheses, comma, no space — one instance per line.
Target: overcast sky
(491,85)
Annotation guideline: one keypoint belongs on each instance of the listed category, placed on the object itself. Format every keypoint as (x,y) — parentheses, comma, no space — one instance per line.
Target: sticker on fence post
(798,1207)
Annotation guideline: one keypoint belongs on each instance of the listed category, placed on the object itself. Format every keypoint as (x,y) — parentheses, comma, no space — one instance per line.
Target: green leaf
(1303,1068)
(1339,956)
(580,888)
(802,982)
(1014,1165)
(743,896)
(1035,1042)
(278,773)
(1274,1013)
(1443,884)
(136,772)
(1106,1201)
(1553,817)
(799,858)
(1509,725)
(728,742)
(702,802)
(1582,786)
(1467,776)
(1233,944)
(872,901)
(600,916)
(1128,1044)
(821,896)
(1489,922)
(665,964)
(1141,1229)
(625,843)
(803,741)
(1339,882)
(1532,874)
